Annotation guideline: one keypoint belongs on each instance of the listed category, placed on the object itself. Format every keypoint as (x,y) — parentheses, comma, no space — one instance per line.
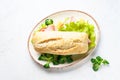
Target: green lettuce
(81,26)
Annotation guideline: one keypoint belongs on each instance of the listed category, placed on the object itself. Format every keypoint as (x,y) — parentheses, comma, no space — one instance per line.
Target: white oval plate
(58,16)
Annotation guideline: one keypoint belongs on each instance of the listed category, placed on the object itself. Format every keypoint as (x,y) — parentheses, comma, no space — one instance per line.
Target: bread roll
(60,43)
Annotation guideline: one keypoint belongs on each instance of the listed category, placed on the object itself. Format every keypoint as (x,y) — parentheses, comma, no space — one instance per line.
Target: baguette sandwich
(60,43)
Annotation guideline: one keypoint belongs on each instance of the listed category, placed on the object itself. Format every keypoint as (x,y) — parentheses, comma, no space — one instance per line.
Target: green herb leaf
(42,57)
(46,65)
(97,62)
(99,58)
(55,62)
(105,62)
(96,67)
(62,60)
(93,60)
(48,21)
(69,59)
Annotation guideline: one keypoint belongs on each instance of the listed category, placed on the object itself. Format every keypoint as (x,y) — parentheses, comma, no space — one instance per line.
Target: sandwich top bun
(60,43)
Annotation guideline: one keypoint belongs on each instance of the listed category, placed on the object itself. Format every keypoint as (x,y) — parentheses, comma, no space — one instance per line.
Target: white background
(18,17)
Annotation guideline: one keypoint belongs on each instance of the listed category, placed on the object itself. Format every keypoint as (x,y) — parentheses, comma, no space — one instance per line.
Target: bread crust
(60,43)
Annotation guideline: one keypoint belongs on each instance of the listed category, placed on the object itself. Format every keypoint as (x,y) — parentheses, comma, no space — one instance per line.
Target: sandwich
(57,43)
(60,43)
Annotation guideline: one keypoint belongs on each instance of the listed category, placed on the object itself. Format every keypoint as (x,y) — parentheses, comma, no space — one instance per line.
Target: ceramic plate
(58,16)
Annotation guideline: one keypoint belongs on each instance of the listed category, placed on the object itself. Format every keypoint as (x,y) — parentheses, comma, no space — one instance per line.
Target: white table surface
(18,17)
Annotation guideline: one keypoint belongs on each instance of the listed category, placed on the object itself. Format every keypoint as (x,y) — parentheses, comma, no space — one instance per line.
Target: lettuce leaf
(81,26)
